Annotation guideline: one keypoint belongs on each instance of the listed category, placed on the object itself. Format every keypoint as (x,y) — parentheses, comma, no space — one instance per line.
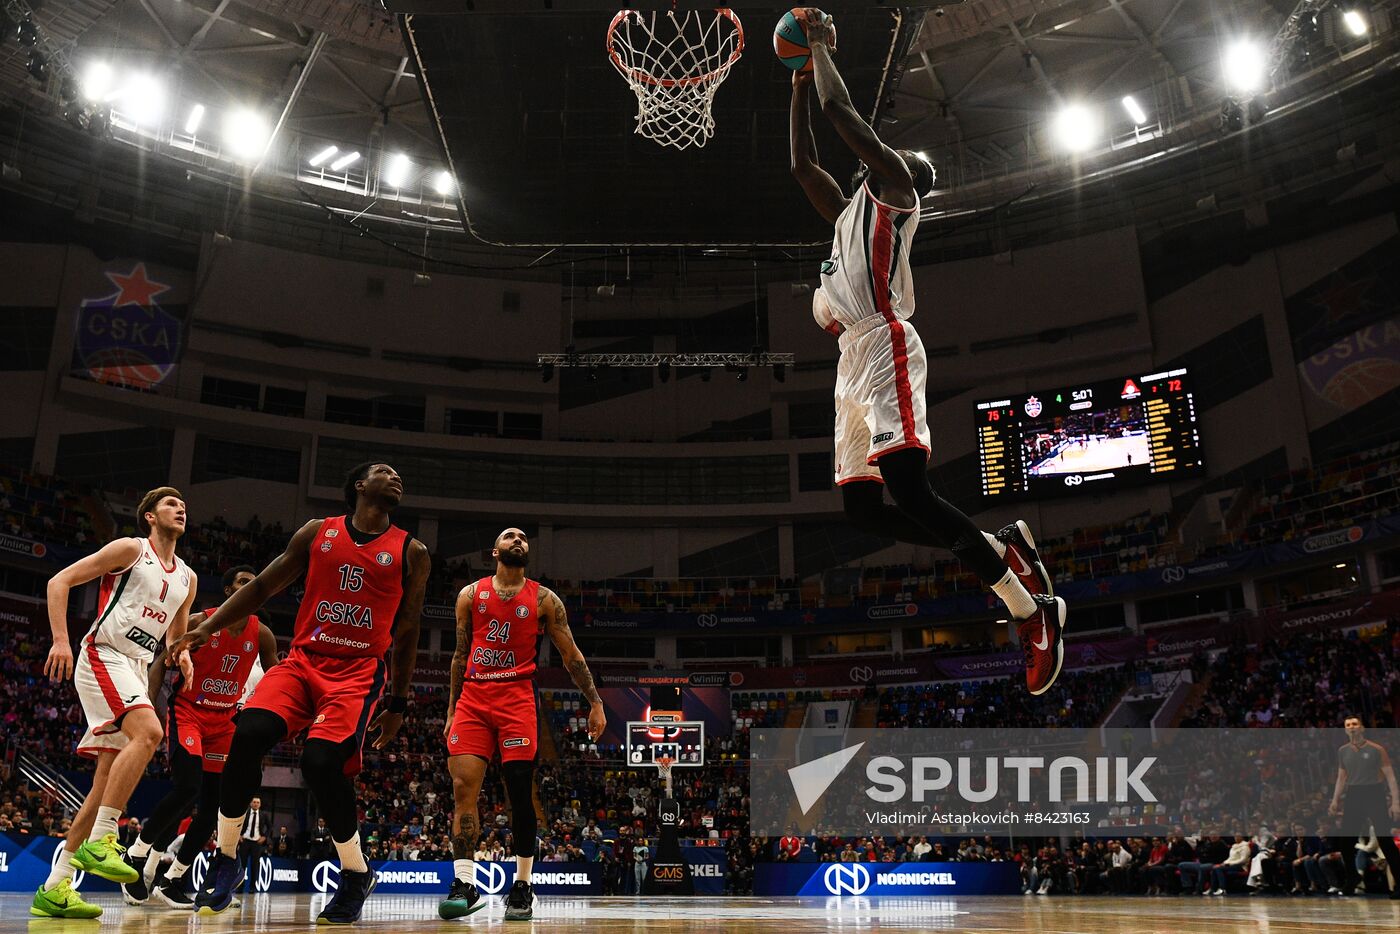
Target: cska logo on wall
(126,338)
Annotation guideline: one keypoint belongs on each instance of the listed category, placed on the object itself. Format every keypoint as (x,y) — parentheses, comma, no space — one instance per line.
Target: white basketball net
(675,63)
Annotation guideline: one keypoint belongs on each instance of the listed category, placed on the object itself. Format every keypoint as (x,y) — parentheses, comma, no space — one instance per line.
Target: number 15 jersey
(353,592)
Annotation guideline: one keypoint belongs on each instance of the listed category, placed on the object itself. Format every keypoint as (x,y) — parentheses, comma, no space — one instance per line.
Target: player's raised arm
(556,620)
(109,559)
(459,653)
(821,189)
(884,163)
(275,578)
(407,622)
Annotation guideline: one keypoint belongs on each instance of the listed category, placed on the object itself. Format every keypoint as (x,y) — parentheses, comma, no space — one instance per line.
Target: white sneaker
(1334,891)
(1218,892)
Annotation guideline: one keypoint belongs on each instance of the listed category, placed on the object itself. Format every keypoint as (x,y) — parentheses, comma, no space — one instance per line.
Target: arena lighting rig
(737,363)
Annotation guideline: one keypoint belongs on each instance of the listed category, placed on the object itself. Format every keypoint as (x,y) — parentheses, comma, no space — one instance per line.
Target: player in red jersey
(492,710)
(364,591)
(199,724)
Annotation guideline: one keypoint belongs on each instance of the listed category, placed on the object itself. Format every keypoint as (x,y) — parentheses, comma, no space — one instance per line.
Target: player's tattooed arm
(556,618)
(459,653)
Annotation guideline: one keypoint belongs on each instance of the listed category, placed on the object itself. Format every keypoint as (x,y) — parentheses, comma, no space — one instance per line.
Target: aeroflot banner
(886,879)
(1079,782)
(25,862)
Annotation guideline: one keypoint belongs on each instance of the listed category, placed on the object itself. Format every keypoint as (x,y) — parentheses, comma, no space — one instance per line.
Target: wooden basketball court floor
(387,914)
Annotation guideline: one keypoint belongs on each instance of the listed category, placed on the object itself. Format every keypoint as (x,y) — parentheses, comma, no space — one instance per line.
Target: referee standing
(1364,774)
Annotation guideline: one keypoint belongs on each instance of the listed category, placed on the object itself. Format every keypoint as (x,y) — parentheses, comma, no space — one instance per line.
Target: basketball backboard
(682,742)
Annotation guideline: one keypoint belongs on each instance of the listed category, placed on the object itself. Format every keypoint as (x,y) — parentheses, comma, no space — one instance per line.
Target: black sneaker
(349,899)
(136,893)
(219,881)
(462,899)
(520,902)
(171,892)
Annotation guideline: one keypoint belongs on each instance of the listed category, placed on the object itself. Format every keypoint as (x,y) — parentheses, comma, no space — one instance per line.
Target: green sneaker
(103,858)
(62,902)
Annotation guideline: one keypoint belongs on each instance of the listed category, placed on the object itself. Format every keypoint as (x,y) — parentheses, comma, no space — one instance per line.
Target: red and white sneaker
(1023,560)
(1042,641)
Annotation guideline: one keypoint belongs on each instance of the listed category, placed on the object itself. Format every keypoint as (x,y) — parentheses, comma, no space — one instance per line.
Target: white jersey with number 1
(137,605)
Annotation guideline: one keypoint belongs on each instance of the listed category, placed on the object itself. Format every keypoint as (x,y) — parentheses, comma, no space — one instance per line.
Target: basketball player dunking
(866,298)
(199,724)
(492,710)
(364,591)
(145,597)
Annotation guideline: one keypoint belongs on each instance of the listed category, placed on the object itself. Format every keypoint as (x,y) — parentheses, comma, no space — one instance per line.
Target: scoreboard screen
(1095,437)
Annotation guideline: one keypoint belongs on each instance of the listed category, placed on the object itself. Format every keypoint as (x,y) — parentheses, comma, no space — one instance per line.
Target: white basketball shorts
(880,405)
(110,685)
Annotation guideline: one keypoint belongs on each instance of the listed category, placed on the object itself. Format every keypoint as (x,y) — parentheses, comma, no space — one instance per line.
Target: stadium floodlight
(246,134)
(322,156)
(396,170)
(194,119)
(444,184)
(143,99)
(1244,66)
(1076,128)
(1355,23)
(97,81)
(345,161)
(1135,111)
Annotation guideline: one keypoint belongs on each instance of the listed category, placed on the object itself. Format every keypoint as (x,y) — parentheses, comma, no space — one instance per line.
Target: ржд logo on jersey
(143,638)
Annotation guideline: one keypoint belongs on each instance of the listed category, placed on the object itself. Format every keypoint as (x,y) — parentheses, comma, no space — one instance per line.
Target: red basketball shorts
(201,732)
(331,698)
(495,717)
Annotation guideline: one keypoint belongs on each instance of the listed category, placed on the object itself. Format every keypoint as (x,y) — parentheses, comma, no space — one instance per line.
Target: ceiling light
(348,159)
(195,118)
(143,100)
(1076,128)
(322,156)
(1354,22)
(97,81)
(1244,66)
(246,134)
(396,170)
(1134,110)
(444,184)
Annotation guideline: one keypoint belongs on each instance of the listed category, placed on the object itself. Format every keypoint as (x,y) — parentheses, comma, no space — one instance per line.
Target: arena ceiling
(977,90)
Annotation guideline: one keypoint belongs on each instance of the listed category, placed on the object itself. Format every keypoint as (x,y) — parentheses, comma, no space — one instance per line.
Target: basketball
(790,41)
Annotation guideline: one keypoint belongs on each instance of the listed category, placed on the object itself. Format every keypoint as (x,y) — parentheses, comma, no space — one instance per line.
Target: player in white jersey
(866,298)
(144,603)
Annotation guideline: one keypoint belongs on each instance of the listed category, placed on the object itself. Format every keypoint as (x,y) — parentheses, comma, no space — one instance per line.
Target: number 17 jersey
(353,592)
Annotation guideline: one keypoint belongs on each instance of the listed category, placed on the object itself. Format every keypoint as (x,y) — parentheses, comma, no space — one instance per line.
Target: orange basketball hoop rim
(634,73)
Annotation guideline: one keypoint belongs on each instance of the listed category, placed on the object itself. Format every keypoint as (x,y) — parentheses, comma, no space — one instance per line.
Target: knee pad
(322,758)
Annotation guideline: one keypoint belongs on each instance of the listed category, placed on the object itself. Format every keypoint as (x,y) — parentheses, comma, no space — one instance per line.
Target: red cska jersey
(352,592)
(505,633)
(221,668)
